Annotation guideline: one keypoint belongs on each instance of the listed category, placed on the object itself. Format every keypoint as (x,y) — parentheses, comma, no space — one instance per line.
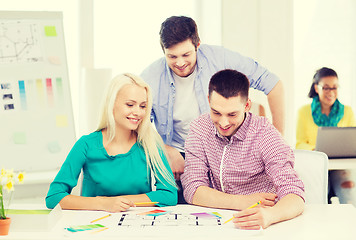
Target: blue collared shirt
(210,59)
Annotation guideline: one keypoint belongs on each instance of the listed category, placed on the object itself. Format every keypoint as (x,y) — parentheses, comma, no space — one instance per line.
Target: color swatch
(59,88)
(156,212)
(205,215)
(22,95)
(40,92)
(49,88)
(81,228)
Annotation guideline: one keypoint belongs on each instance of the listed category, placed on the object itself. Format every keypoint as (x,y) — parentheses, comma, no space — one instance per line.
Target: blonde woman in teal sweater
(123,161)
(326,110)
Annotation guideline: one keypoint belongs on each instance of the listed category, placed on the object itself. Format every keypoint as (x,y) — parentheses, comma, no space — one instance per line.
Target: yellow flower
(3,171)
(9,186)
(10,174)
(7,182)
(21,176)
(2,174)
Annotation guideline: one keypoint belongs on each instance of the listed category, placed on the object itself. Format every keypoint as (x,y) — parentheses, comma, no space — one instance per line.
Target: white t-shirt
(185,108)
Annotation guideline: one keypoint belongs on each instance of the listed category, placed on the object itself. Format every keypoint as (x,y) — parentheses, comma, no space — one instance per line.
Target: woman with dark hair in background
(326,110)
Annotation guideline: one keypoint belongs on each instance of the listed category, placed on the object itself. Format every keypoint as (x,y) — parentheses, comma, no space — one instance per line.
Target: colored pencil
(100,230)
(254,205)
(101,218)
(145,203)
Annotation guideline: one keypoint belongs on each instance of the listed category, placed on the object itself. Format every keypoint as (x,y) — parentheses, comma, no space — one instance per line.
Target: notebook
(337,142)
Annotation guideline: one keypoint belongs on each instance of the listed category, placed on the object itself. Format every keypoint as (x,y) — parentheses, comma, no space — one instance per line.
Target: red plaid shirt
(255,159)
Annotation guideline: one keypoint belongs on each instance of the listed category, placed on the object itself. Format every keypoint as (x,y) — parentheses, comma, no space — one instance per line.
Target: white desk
(342,163)
(317,222)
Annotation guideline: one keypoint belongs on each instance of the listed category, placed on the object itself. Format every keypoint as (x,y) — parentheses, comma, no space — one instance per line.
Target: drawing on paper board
(37,125)
(19,42)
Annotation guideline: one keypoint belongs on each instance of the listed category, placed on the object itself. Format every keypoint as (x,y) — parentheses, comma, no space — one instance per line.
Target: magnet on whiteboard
(53,147)
(54,60)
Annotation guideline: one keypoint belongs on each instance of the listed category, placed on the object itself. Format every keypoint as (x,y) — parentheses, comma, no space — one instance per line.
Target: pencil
(145,203)
(100,230)
(101,218)
(254,205)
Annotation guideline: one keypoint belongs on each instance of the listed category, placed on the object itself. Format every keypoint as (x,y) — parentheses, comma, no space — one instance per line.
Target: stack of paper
(28,219)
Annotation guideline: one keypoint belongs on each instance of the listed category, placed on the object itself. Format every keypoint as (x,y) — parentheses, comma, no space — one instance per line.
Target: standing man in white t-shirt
(180,80)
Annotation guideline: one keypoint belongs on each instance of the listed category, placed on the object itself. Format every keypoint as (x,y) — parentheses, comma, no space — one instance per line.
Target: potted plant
(7,181)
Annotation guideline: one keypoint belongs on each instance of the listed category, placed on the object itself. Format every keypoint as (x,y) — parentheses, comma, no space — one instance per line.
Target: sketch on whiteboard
(19,42)
(37,125)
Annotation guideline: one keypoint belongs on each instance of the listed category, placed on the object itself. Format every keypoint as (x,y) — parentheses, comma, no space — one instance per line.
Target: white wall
(293,39)
(325,36)
(263,30)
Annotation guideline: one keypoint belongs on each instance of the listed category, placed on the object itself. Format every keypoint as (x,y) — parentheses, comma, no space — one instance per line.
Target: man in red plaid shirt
(235,159)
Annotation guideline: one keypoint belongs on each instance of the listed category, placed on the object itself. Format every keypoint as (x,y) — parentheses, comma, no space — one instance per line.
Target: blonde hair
(147,136)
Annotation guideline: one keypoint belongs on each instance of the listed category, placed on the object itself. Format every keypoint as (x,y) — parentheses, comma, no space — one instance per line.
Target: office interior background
(292,38)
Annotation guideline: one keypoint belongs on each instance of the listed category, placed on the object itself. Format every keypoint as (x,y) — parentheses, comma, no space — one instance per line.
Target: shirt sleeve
(260,78)
(196,169)
(67,176)
(350,116)
(165,193)
(278,158)
(302,138)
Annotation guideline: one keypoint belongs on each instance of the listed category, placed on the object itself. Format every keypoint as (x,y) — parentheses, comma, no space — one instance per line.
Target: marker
(254,205)
(101,218)
(145,203)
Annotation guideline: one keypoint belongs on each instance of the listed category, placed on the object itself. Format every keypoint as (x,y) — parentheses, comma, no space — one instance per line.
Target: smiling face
(130,107)
(327,90)
(181,58)
(228,114)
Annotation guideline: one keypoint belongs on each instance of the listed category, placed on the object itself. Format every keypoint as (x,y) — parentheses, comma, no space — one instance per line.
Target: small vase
(4,226)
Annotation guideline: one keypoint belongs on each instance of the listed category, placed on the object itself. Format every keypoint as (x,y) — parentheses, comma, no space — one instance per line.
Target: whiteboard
(36,117)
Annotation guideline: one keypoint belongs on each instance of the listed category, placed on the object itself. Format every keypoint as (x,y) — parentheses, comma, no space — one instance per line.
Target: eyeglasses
(328,89)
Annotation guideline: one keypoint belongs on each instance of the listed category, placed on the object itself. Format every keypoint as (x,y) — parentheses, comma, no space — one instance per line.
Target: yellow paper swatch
(50,31)
(61,121)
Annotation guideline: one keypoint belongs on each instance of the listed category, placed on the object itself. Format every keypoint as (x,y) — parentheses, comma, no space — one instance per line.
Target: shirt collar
(241,133)
(200,60)
(169,72)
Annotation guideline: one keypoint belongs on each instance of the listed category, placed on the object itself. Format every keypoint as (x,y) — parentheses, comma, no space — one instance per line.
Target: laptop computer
(337,142)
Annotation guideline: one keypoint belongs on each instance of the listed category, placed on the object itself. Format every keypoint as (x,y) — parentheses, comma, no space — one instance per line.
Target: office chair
(312,169)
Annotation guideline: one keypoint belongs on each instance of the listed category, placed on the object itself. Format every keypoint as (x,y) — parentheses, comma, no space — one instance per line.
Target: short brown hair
(177,29)
(229,83)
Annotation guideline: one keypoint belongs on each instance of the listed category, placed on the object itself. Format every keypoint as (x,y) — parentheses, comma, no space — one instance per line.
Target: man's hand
(253,218)
(286,208)
(176,161)
(267,200)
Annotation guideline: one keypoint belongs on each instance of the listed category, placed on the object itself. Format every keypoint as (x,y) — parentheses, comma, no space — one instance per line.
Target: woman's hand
(115,204)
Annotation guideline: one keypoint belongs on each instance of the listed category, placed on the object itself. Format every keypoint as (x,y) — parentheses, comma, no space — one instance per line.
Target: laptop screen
(337,142)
